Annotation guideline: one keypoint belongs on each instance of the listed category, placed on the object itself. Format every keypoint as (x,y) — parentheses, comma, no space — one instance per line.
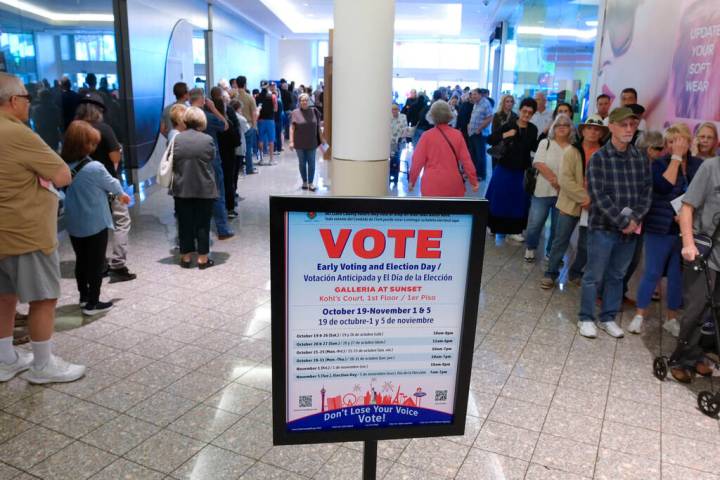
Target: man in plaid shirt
(620,188)
(479,130)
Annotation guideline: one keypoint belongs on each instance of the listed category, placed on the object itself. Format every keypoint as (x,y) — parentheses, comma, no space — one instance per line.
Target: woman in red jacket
(443,157)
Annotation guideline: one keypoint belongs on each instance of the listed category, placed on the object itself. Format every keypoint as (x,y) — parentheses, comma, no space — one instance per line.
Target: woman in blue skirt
(509,203)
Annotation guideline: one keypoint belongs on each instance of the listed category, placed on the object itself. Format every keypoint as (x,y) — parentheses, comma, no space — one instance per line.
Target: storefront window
(59,60)
(556,60)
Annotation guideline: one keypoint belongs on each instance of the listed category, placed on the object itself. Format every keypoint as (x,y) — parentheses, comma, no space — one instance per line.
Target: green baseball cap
(622,113)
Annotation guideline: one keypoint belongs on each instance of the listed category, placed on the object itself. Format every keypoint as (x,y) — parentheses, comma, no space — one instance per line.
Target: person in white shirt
(543,117)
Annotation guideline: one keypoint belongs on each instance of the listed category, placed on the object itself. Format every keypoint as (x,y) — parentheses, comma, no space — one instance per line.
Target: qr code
(305,401)
(441,395)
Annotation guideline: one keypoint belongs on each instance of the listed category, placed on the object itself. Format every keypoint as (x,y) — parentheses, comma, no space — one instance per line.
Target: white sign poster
(374,317)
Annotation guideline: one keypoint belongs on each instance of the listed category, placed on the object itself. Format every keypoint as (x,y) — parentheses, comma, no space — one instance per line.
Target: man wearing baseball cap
(620,189)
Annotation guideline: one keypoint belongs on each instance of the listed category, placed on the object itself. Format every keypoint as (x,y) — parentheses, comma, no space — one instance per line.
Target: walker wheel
(660,368)
(708,403)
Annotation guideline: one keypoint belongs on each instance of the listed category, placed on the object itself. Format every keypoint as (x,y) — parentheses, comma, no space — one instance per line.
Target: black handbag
(530,180)
(498,151)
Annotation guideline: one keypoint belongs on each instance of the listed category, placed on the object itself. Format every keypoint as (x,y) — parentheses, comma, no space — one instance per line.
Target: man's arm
(213,110)
(646,197)
(62,177)
(685,220)
(115,158)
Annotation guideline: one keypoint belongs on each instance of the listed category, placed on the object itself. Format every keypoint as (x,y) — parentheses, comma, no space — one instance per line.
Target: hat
(94,98)
(595,121)
(622,113)
(636,108)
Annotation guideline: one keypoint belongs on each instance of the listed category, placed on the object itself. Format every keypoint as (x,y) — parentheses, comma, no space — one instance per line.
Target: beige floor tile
(676,472)
(482,464)
(164,451)
(541,472)
(631,440)
(402,472)
(348,464)
(237,399)
(694,454)
(213,463)
(612,465)
(80,419)
(204,423)
(518,414)
(73,462)
(125,470)
(161,409)
(93,381)
(41,405)
(574,426)
(583,401)
(304,460)
(121,434)
(11,426)
(435,455)
(32,447)
(8,473)
(262,471)
(247,437)
(530,391)
(197,386)
(158,375)
(690,423)
(554,451)
(507,440)
(633,413)
(123,395)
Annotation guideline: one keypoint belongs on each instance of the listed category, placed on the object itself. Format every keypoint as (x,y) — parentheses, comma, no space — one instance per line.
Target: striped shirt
(480,112)
(617,180)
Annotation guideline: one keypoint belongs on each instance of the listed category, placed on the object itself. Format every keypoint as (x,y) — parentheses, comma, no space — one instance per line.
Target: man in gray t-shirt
(701,203)
(700,213)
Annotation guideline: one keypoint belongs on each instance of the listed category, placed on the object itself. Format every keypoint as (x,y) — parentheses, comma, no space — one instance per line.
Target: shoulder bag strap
(79,167)
(457,159)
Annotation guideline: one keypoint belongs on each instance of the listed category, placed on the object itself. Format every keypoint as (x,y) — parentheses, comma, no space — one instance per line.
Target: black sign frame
(280,206)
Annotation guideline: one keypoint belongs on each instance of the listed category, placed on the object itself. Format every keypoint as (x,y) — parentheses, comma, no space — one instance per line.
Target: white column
(362,85)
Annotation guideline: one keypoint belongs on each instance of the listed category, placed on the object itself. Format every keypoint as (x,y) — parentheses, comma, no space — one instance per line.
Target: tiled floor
(178,385)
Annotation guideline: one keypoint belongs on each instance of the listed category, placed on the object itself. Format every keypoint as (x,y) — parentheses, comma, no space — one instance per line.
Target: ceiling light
(592,23)
(58,16)
(558,32)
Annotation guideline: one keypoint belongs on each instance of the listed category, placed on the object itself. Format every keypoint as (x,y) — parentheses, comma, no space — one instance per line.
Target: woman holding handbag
(440,154)
(509,203)
(193,187)
(305,137)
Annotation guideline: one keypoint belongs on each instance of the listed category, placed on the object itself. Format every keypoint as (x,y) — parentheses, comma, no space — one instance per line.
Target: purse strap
(457,159)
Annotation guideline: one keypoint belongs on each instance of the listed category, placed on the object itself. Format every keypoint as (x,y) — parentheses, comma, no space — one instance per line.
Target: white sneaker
(517,238)
(672,326)
(23,362)
(587,329)
(612,329)
(57,370)
(529,255)
(636,324)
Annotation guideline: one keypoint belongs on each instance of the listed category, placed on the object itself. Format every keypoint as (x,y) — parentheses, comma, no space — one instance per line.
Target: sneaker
(672,326)
(587,329)
(516,238)
(636,324)
(97,308)
(304,186)
(547,283)
(121,274)
(232,214)
(529,255)
(225,236)
(312,187)
(612,329)
(57,370)
(22,362)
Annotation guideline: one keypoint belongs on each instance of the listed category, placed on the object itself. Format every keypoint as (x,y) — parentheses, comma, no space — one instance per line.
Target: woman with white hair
(548,159)
(442,156)
(305,137)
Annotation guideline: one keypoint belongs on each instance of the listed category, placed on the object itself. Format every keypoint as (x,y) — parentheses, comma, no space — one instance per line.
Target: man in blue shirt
(216,123)
(620,188)
(479,130)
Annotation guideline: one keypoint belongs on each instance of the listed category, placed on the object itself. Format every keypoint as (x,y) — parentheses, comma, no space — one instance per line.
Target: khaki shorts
(32,276)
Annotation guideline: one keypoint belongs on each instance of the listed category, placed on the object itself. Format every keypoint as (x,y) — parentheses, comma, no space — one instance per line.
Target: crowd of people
(631,194)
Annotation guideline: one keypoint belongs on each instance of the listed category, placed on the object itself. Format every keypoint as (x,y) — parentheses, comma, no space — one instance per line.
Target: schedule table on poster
(374,318)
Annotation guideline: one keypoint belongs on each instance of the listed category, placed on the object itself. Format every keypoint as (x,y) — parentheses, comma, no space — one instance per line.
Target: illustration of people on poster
(374,316)
(669,51)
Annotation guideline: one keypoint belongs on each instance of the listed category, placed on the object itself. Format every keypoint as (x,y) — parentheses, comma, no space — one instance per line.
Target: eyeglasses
(27,97)
(657,149)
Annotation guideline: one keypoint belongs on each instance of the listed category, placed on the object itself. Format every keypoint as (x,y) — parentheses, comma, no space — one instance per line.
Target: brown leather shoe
(682,375)
(703,369)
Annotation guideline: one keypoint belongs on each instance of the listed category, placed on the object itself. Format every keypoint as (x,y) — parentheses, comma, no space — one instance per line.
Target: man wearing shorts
(29,261)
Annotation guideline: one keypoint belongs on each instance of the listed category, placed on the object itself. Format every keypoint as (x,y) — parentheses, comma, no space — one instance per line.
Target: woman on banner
(509,203)
(443,158)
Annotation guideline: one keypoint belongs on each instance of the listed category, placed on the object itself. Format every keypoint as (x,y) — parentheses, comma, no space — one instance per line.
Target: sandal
(185,264)
(208,264)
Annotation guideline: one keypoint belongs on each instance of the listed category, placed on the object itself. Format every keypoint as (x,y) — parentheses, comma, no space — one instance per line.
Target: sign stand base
(370,460)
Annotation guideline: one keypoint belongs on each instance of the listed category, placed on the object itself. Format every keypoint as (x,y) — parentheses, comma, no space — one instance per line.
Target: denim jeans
(540,208)
(478,152)
(416,136)
(306,162)
(609,255)
(250,143)
(661,250)
(561,239)
(578,266)
(219,209)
